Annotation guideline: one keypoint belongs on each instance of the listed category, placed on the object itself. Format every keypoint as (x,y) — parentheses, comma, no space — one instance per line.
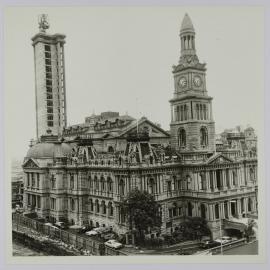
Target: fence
(26,225)
(217,250)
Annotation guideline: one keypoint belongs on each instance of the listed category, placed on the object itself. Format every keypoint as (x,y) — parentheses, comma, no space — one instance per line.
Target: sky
(121,58)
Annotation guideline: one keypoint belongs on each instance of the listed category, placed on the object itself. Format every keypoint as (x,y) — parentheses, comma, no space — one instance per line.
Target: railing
(217,250)
(26,225)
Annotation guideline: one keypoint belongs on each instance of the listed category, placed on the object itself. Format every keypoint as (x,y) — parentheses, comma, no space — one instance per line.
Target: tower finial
(187,25)
(43,23)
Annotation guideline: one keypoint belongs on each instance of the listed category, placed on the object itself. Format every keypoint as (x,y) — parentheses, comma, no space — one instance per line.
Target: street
(248,249)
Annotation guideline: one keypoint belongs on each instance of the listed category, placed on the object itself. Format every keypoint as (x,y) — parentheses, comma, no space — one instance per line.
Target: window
(48,75)
(48,61)
(50,117)
(28,199)
(53,182)
(72,204)
(102,183)
(216,211)
(47,47)
(47,55)
(48,69)
(71,181)
(91,205)
(33,179)
(104,208)
(38,202)
(181,138)
(197,112)
(203,137)
(169,186)
(49,96)
(110,184)
(49,110)
(122,187)
(53,204)
(110,208)
(49,89)
(97,206)
(37,180)
(49,82)
(50,123)
(28,179)
(49,103)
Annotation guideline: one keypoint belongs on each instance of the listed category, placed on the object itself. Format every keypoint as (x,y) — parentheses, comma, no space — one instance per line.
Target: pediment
(219,159)
(30,163)
(146,126)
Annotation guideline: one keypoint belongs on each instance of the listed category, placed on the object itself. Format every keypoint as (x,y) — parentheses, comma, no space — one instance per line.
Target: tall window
(33,179)
(53,204)
(72,204)
(71,181)
(37,180)
(110,184)
(204,112)
(97,206)
(181,138)
(110,208)
(38,202)
(122,187)
(217,211)
(203,137)
(197,111)
(91,205)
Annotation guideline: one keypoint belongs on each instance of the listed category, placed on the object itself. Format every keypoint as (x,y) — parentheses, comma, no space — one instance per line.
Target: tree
(142,211)
(195,227)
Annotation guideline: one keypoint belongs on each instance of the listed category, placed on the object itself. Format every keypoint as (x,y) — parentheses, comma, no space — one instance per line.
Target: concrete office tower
(49,81)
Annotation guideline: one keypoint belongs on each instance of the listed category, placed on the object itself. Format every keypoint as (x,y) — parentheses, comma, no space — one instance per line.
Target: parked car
(210,244)
(113,244)
(92,232)
(85,229)
(224,240)
(61,225)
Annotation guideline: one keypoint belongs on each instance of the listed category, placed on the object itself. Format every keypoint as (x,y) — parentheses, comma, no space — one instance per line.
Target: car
(85,229)
(91,233)
(50,225)
(224,240)
(61,225)
(210,244)
(113,244)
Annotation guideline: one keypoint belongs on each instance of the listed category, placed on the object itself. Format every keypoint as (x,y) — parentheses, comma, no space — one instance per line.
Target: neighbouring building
(81,173)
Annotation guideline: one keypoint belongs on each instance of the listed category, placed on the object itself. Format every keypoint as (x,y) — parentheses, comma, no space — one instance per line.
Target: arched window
(110,149)
(103,207)
(203,211)
(204,112)
(122,187)
(97,206)
(151,184)
(102,181)
(182,113)
(190,209)
(181,138)
(110,208)
(216,211)
(197,112)
(72,204)
(90,182)
(110,184)
(177,112)
(91,205)
(201,112)
(203,137)
(251,174)
(185,112)
(95,183)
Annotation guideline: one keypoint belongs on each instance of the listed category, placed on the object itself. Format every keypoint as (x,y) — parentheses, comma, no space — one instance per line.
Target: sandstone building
(81,173)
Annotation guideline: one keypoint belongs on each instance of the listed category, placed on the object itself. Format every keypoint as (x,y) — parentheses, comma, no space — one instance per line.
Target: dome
(187,24)
(49,150)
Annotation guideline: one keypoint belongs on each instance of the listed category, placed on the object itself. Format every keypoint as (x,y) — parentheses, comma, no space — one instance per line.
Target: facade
(49,81)
(83,175)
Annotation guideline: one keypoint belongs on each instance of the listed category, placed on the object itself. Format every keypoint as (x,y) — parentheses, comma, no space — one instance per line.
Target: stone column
(222,212)
(229,209)
(224,184)
(239,213)
(215,181)
(207,176)
(230,177)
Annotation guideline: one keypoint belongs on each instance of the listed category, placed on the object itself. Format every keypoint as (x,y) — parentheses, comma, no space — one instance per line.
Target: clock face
(197,81)
(182,82)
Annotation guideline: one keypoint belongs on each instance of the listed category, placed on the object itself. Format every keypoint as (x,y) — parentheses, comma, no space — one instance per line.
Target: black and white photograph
(134,131)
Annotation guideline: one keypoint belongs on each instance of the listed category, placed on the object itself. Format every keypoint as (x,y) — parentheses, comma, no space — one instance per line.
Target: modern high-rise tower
(192,124)
(49,81)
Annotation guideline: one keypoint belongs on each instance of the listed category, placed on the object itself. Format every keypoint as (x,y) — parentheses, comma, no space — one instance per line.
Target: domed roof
(49,150)
(187,24)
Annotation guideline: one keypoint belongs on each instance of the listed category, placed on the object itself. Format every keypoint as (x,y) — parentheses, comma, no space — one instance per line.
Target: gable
(146,126)
(218,159)
(30,163)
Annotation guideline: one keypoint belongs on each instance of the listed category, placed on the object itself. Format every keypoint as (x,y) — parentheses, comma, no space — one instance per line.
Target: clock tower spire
(192,124)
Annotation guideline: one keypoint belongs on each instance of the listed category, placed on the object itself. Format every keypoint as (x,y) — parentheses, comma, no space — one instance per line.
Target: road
(248,249)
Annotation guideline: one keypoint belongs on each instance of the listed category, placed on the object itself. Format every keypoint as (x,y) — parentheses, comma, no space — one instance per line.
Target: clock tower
(192,125)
